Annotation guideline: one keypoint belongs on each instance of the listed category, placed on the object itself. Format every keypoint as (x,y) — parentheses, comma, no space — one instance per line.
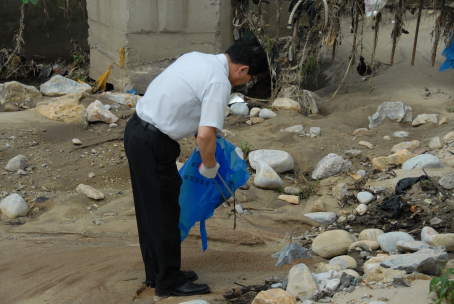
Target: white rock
(266,177)
(370,234)
(388,240)
(341,219)
(362,132)
(14,205)
(393,110)
(435,143)
(447,181)
(267,113)
(361,172)
(410,146)
(12,91)
(365,245)
(331,165)
(366,144)
(315,131)
(280,161)
(90,192)
(340,191)
(365,197)
(16,163)
(113,125)
(401,134)
(422,161)
(354,153)
(448,137)
(97,112)
(332,243)
(226,133)
(325,218)
(91,175)
(427,235)
(239,152)
(58,86)
(361,209)
(292,199)
(444,240)
(295,129)
(386,137)
(344,260)
(239,209)
(240,108)
(76,141)
(107,106)
(254,112)
(123,98)
(424,118)
(301,283)
(286,104)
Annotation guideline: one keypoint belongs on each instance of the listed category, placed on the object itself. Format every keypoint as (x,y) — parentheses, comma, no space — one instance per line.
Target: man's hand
(208,172)
(206,140)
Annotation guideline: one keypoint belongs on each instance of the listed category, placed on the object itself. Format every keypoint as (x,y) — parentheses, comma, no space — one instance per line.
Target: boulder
(426,261)
(301,283)
(240,108)
(344,260)
(427,235)
(292,199)
(340,191)
(16,163)
(398,158)
(66,109)
(274,296)
(59,85)
(435,143)
(448,137)
(97,112)
(365,245)
(72,96)
(366,144)
(319,206)
(298,129)
(317,131)
(126,99)
(354,153)
(280,161)
(332,243)
(14,206)
(388,240)
(254,112)
(423,161)
(444,240)
(393,110)
(266,177)
(375,261)
(309,101)
(412,246)
(12,91)
(362,132)
(267,113)
(290,252)
(330,165)
(365,197)
(286,104)
(424,118)
(90,192)
(291,191)
(447,181)
(325,218)
(410,146)
(401,134)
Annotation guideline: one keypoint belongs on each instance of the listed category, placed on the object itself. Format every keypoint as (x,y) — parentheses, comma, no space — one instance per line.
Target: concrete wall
(154,33)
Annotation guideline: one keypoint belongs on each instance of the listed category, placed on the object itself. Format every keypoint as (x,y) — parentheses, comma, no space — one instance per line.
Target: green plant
(246,147)
(449,109)
(443,287)
(279,190)
(78,58)
(310,65)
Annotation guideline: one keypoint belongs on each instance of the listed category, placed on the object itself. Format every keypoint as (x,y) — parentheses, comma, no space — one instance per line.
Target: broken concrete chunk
(123,98)
(68,110)
(59,85)
(12,91)
(97,112)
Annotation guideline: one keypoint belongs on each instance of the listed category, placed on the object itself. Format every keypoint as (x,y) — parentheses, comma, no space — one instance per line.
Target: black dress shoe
(187,289)
(190,275)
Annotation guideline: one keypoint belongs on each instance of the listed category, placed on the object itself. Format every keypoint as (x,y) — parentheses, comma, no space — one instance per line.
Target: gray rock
(315,131)
(16,163)
(331,165)
(90,192)
(240,108)
(401,134)
(447,181)
(422,161)
(424,118)
(280,161)
(412,246)
(340,191)
(301,282)
(12,91)
(113,125)
(295,129)
(426,261)
(58,86)
(290,252)
(267,113)
(361,172)
(388,240)
(353,153)
(365,197)
(291,191)
(435,143)
(107,106)
(325,218)
(266,177)
(393,110)
(14,206)
(341,219)
(277,285)
(435,221)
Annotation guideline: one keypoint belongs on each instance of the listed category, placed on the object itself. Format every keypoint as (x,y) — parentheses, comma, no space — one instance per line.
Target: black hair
(249,52)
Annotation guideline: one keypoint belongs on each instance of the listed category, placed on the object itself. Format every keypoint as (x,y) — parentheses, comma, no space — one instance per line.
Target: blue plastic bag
(199,196)
(449,62)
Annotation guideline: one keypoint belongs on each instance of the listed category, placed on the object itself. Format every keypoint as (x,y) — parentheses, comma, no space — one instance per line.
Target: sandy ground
(58,254)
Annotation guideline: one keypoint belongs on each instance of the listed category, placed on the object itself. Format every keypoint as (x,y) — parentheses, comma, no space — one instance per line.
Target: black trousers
(156,188)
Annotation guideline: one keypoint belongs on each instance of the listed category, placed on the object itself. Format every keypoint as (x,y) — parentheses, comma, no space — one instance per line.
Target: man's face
(244,77)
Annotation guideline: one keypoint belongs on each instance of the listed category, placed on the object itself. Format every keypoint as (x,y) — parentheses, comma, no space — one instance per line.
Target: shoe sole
(153,284)
(166,293)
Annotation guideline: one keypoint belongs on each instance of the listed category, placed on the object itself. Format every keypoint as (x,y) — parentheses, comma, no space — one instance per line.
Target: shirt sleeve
(214,103)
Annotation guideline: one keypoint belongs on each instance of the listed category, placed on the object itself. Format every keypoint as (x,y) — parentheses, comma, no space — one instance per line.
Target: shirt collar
(223,59)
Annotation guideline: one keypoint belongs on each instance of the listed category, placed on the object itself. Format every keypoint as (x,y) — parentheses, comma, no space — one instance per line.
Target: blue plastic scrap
(449,54)
(199,196)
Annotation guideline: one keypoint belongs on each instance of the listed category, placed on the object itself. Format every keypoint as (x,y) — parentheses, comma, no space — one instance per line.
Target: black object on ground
(41,199)
(393,205)
(407,183)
